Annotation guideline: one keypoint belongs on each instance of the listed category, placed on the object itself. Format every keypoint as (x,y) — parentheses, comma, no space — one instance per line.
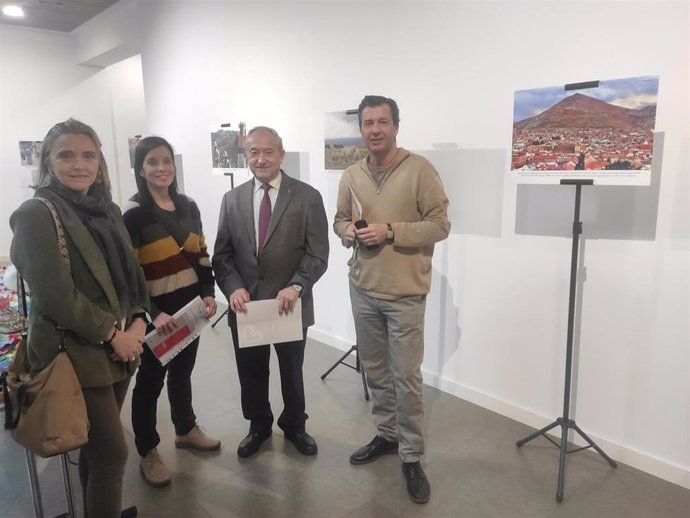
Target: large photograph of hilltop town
(605,132)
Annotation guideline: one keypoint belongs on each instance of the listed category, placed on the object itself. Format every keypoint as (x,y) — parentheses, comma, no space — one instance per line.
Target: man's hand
(238,298)
(286,299)
(350,232)
(372,235)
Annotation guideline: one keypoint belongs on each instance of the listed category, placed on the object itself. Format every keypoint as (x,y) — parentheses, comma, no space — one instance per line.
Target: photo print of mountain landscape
(343,144)
(605,132)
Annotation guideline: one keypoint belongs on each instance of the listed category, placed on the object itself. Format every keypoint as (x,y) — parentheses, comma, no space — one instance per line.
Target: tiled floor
(472,462)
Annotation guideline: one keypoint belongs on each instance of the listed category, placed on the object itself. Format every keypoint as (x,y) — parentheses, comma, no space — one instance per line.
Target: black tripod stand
(219,318)
(565,422)
(357,366)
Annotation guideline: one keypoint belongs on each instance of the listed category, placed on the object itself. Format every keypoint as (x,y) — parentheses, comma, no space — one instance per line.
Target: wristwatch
(142,315)
(390,236)
(298,288)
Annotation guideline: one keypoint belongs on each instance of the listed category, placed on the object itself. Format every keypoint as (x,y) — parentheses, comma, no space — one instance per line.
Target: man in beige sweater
(392,209)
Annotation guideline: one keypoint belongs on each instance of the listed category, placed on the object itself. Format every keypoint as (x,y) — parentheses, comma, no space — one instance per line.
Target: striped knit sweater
(174,276)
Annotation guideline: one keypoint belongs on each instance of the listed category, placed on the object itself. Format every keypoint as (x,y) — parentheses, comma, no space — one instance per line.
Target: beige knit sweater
(411,198)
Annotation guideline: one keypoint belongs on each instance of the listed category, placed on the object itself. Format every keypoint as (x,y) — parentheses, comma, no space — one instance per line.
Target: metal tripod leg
(566,425)
(594,445)
(69,493)
(341,360)
(360,369)
(560,488)
(357,367)
(33,482)
(36,490)
(219,318)
(537,434)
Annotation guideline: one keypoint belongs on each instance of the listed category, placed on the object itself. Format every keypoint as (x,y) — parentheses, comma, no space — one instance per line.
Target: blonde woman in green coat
(100,298)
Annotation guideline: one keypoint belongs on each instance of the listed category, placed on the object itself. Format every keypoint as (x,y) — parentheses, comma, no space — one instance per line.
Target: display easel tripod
(357,366)
(565,422)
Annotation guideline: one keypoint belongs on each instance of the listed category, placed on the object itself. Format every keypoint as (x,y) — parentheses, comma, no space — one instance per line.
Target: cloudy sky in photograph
(632,92)
(341,125)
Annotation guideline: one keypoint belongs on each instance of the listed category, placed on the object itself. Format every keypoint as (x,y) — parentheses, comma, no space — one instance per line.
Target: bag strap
(21,289)
(9,418)
(62,245)
(10,421)
(59,230)
(13,405)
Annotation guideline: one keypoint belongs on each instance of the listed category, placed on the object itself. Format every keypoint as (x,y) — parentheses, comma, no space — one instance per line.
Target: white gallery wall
(41,83)
(497,313)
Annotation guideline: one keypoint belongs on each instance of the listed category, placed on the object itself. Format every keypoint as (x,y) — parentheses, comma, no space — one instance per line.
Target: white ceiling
(67,15)
(54,15)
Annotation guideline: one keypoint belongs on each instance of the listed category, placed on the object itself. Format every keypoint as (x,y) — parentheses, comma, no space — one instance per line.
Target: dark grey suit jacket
(295,251)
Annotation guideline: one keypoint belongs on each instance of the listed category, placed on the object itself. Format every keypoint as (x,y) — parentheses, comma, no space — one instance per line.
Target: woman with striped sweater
(165,227)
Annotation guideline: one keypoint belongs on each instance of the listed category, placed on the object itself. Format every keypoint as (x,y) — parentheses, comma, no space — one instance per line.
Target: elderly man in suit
(272,244)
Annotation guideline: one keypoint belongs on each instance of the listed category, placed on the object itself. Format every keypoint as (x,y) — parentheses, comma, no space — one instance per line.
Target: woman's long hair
(70,127)
(143,196)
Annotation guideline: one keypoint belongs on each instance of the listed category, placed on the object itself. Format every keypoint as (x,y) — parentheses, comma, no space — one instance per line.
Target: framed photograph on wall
(603,130)
(227,148)
(132,143)
(343,144)
(30,152)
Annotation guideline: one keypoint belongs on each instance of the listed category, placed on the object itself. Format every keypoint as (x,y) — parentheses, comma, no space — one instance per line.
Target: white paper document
(262,324)
(189,322)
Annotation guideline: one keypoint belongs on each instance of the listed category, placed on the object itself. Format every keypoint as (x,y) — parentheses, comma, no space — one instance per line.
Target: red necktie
(264,216)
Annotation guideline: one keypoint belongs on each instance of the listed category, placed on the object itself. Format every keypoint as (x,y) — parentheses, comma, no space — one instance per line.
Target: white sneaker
(197,439)
(154,470)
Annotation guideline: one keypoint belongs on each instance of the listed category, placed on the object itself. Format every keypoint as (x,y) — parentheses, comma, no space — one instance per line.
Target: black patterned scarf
(93,209)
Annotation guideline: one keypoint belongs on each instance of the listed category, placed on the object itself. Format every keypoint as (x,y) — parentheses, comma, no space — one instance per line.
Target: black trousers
(253,370)
(150,378)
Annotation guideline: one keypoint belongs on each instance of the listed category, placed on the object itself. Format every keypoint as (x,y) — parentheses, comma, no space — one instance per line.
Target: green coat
(84,302)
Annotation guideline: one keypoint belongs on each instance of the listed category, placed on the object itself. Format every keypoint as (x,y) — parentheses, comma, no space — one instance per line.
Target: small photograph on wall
(30,152)
(600,130)
(343,144)
(227,148)
(132,143)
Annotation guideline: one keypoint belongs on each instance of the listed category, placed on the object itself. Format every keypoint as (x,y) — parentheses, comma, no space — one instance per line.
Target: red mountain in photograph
(581,111)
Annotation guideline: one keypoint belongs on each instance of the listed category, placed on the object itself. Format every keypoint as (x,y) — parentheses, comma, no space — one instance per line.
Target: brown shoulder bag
(46,412)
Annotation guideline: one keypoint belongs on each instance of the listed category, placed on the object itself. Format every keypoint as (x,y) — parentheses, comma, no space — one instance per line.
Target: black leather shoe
(251,444)
(417,484)
(372,451)
(304,442)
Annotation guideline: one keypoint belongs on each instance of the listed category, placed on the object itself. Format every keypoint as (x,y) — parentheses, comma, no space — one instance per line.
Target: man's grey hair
(271,131)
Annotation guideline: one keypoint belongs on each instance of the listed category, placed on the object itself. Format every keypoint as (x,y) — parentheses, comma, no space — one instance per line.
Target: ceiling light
(13,10)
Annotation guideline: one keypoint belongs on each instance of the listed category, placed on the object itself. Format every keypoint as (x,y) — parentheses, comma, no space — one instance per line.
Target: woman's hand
(127,346)
(138,327)
(164,323)
(210,306)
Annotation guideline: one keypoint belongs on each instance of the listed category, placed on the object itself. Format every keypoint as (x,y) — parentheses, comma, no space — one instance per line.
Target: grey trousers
(390,341)
(102,460)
